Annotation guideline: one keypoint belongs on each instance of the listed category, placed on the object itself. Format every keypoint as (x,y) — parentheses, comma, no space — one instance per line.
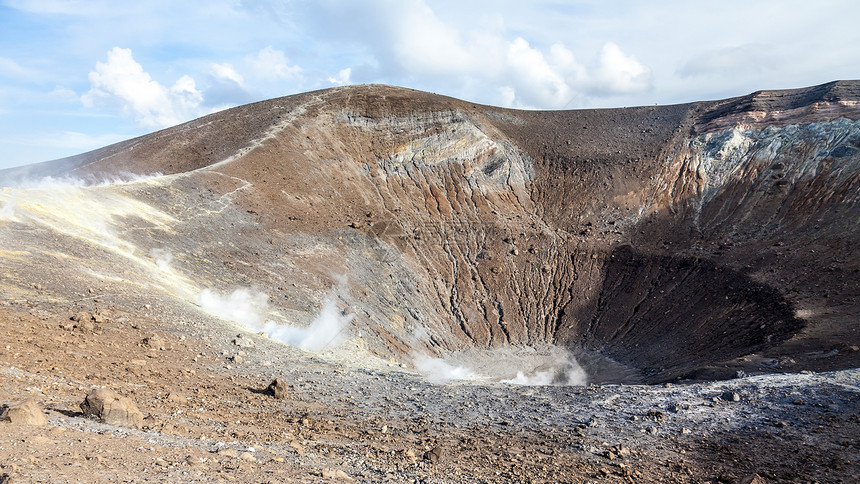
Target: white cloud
(272,64)
(411,44)
(11,69)
(537,83)
(425,44)
(226,71)
(122,82)
(341,78)
(63,94)
(618,73)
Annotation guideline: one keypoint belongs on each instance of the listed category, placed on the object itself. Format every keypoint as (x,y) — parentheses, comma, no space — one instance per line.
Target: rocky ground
(201,385)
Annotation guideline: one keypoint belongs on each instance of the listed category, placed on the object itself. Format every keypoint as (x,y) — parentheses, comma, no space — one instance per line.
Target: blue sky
(80,74)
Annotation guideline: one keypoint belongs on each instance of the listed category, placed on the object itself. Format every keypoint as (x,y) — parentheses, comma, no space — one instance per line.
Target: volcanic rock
(433,455)
(336,474)
(243,341)
(154,341)
(177,398)
(277,389)
(84,322)
(26,412)
(112,408)
(752,479)
(81,317)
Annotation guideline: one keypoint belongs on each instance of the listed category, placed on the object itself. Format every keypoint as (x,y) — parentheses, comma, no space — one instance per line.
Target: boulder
(277,389)
(433,455)
(27,412)
(154,341)
(112,408)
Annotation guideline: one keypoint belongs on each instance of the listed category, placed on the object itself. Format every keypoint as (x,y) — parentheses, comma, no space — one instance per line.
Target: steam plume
(250,308)
(326,330)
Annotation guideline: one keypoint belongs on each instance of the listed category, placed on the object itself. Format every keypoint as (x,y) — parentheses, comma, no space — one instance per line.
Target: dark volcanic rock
(277,389)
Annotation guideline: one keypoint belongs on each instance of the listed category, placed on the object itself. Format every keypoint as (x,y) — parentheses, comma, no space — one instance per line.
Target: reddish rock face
(689,241)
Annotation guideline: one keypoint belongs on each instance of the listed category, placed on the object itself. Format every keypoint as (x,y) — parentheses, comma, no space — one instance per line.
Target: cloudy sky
(80,74)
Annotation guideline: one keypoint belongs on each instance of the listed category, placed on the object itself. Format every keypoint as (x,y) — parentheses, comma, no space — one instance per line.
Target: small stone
(177,398)
(81,317)
(26,412)
(243,342)
(433,455)
(621,450)
(154,341)
(752,479)
(86,325)
(297,447)
(112,408)
(237,358)
(228,452)
(410,454)
(247,456)
(798,401)
(730,396)
(335,474)
(277,389)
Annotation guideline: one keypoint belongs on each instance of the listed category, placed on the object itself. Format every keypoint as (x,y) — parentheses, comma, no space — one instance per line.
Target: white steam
(250,308)
(68,181)
(326,330)
(163,258)
(514,365)
(7,211)
(563,372)
(438,370)
(242,306)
